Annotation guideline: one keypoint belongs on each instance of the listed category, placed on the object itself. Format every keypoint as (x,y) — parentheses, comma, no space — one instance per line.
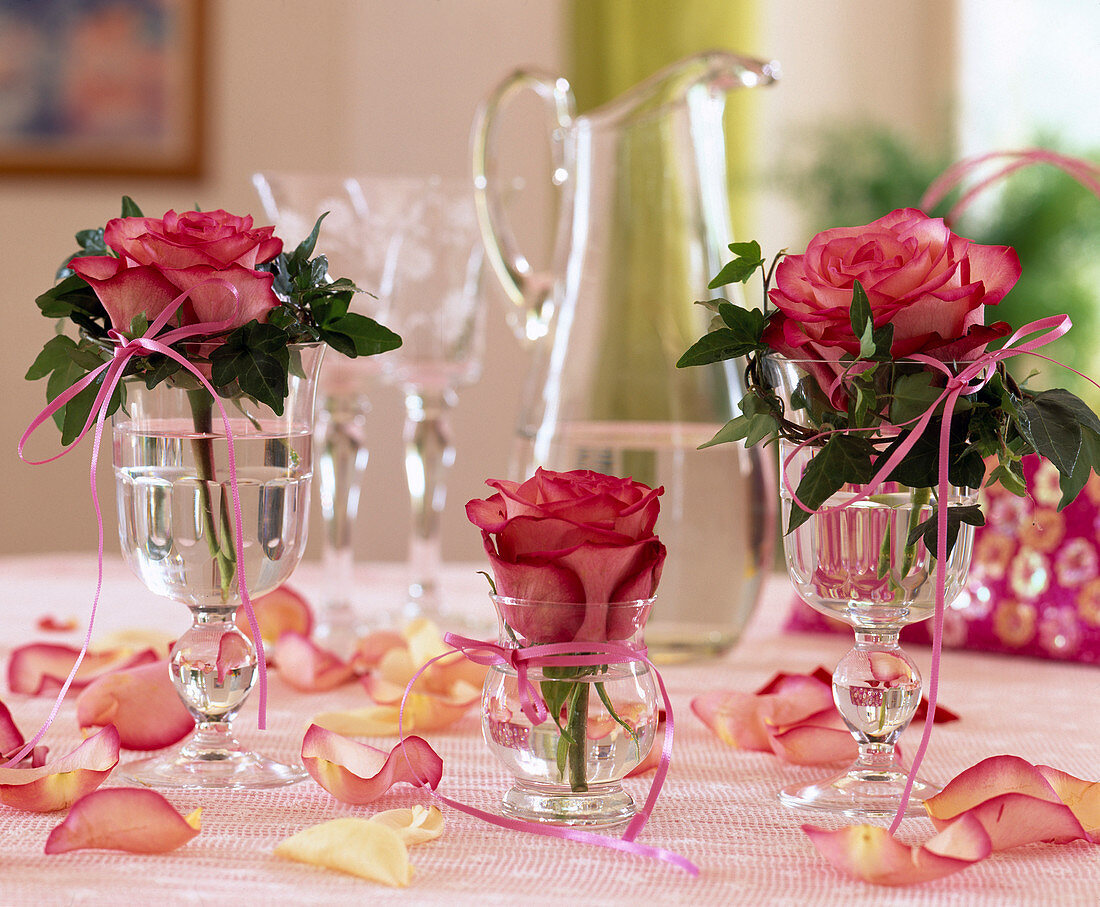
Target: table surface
(718,808)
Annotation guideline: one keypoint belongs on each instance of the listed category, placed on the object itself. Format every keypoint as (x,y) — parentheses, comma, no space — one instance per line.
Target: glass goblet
(177,528)
(857,564)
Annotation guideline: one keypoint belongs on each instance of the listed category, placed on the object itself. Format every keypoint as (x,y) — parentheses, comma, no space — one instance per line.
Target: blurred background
(876,97)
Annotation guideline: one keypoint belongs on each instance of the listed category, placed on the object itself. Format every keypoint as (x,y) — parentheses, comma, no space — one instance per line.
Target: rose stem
(202,447)
(578,737)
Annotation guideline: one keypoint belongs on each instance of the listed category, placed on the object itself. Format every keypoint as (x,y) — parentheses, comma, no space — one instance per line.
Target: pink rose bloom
(159,258)
(930,284)
(577,537)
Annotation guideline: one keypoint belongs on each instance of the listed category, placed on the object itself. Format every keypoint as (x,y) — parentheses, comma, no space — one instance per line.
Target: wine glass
(178,529)
(357,239)
(434,299)
(859,564)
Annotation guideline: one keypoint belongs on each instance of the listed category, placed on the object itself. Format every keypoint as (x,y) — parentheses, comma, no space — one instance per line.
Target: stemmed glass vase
(857,564)
(177,528)
(433,297)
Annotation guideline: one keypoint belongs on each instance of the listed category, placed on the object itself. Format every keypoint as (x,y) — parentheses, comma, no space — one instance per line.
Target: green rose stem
(918,498)
(577,729)
(202,446)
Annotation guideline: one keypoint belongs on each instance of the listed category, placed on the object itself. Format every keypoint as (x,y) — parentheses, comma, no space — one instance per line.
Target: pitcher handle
(530,291)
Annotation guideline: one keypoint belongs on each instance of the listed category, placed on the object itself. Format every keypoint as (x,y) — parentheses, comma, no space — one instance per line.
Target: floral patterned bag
(1034,584)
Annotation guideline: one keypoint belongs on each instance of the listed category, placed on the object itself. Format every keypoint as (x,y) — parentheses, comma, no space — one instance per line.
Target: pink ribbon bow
(560,654)
(151,342)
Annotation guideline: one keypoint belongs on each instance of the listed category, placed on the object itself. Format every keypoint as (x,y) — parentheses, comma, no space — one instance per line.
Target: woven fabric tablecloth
(718,808)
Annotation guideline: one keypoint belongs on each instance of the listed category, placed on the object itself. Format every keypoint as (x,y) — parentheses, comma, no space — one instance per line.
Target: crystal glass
(855,564)
(601,721)
(643,222)
(434,300)
(362,220)
(177,527)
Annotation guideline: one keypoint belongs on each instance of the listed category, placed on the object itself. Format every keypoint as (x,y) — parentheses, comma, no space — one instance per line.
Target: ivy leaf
(1010,476)
(863,321)
(306,246)
(357,335)
(1051,423)
(1088,461)
(130,207)
(740,336)
(54,355)
(844,459)
(256,357)
(740,269)
(957,514)
(912,396)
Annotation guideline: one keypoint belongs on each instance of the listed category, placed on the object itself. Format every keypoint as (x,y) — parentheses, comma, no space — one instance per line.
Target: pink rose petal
(134,820)
(59,784)
(306,666)
(50,624)
(280,611)
(371,648)
(141,702)
(1017,803)
(870,853)
(817,740)
(11,738)
(39,669)
(357,773)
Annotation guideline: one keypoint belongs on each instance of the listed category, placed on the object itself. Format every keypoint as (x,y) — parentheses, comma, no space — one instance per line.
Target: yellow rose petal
(372,721)
(359,847)
(414,826)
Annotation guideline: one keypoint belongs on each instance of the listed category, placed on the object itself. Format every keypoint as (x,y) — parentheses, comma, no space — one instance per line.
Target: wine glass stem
(428,458)
(341,436)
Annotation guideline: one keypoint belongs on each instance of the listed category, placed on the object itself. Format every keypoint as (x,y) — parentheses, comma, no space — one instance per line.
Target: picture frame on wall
(101,87)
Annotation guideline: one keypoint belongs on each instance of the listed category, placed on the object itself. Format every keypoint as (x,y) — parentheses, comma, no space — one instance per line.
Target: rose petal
(371,648)
(47,623)
(814,741)
(40,669)
(307,667)
(135,820)
(134,639)
(280,611)
(870,853)
(423,713)
(414,826)
(141,702)
(357,773)
(11,738)
(653,757)
(59,784)
(361,847)
(1017,803)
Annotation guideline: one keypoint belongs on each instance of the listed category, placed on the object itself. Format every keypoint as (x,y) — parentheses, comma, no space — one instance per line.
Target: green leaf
(717,346)
(357,335)
(749,249)
(1088,461)
(741,268)
(912,396)
(306,246)
(256,357)
(863,322)
(844,459)
(54,355)
(1050,422)
(130,207)
(957,515)
(1009,476)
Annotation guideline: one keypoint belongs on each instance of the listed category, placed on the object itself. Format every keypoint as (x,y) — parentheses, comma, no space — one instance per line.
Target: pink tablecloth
(719,807)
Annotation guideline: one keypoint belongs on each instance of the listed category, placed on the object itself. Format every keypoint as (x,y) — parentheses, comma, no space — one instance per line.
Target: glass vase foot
(861,793)
(210,762)
(602,806)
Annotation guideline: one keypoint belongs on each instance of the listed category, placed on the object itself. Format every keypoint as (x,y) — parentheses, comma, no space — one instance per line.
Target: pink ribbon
(969,380)
(151,342)
(560,654)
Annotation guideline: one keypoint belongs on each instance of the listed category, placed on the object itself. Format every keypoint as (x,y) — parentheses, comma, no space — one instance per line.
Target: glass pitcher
(643,225)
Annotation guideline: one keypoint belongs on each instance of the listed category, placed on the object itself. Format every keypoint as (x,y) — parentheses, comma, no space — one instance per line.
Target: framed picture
(97,87)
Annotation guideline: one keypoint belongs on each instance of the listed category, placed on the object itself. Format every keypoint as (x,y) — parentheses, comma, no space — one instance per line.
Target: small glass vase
(855,564)
(601,719)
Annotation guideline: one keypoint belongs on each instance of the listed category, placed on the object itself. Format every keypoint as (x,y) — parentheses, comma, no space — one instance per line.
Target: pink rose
(159,258)
(930,284)
(571,538)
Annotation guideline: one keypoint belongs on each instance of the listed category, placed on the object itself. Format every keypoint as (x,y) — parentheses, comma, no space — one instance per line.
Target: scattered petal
(11,738)
(134,639)
(280,611)
(871,853)
(59,784)
(816,740)
(136,820)
(422,714)
(414,826)
(40,669)
(47,623)
(307,667)
(1018,804)
(361,847)
(357,773)
(141,702)
(371,648)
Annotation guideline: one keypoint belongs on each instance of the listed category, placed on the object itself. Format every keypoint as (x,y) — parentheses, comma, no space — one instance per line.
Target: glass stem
(429,454)
(341,437)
